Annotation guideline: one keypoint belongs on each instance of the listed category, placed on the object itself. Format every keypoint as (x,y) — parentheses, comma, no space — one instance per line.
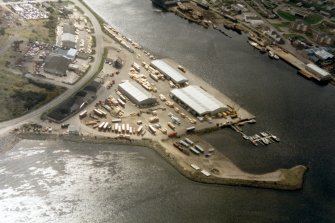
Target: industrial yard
(137,98)
(130,104)
(158,103)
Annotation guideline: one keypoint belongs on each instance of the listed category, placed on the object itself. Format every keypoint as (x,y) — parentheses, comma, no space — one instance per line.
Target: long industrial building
(198,100)
(321,73)
(137,94)
(169,72)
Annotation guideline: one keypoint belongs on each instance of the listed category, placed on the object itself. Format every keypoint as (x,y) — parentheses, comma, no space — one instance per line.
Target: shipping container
(172,126)
(123,98)
(154,77)
(139,130)
(189,141)
(182,142)
(102,112)
(136,67)
(105,126)
(199,148)
(190,129)
(101,125)
(153,119)
(107,108)
(121,102)
(193,150)
(152,129)
(97,112)
(83,114)
(172,134)
(116,120)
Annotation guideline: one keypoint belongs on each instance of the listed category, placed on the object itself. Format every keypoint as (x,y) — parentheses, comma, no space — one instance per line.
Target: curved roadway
(35,115)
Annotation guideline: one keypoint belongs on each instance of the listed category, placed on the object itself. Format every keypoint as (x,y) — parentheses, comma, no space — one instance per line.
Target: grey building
(197,100)
(137,94)
(67,28)
(317,71)
(56,64)
(68,40)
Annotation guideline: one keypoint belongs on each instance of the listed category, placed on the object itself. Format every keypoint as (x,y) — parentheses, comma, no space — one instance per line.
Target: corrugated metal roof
(169,71)
(198,99)
(323,54)
(136,91)
(318,70)
(68,37)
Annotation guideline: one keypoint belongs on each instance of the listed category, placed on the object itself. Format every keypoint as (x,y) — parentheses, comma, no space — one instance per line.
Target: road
(20,2)
(35,115)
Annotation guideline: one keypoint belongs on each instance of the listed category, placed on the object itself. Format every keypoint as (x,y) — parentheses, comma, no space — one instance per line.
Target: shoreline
(287,179)
(284,179)
(265,43)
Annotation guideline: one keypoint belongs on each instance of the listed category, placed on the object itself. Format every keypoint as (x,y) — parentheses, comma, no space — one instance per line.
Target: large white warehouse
(169,72)
(198,100)
(136,94)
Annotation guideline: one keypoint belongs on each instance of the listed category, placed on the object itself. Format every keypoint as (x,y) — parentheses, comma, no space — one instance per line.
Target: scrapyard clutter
(29,11)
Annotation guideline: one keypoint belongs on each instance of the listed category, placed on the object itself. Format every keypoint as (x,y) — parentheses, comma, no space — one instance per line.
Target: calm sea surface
(60,181)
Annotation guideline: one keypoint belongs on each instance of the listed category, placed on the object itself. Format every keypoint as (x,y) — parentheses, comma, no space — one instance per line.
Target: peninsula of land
(129,96)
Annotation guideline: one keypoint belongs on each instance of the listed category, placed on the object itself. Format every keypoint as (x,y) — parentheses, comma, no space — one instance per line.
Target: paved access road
(35,115)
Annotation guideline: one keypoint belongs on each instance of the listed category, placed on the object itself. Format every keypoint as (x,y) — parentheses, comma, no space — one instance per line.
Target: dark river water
(100,183)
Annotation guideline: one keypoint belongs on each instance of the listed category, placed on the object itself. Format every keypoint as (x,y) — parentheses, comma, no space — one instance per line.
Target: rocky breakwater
(221,170)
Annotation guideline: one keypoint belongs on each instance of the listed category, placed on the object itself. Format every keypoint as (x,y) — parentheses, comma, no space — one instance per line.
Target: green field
(286,15)
(313,19)
(309,20)
(280,25)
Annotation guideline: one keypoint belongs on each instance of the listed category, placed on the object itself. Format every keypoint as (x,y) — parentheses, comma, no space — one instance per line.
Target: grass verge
(286,15)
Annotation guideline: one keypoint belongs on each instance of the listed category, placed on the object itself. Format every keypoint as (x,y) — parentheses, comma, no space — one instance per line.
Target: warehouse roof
(169,71)
(68,37)
(56,64)
(136,92)
(323,54)
(70,53)
(318,70)
(67,28)
(198,100)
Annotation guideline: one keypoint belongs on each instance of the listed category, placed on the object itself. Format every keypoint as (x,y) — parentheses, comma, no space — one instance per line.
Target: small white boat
(252,43)
(272,55)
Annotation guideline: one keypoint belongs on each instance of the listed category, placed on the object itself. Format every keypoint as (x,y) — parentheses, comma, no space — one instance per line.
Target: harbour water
(299,111)
(110,183)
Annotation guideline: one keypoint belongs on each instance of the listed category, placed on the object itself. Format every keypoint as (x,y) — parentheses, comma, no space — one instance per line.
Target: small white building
(68,40)
(319,72)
